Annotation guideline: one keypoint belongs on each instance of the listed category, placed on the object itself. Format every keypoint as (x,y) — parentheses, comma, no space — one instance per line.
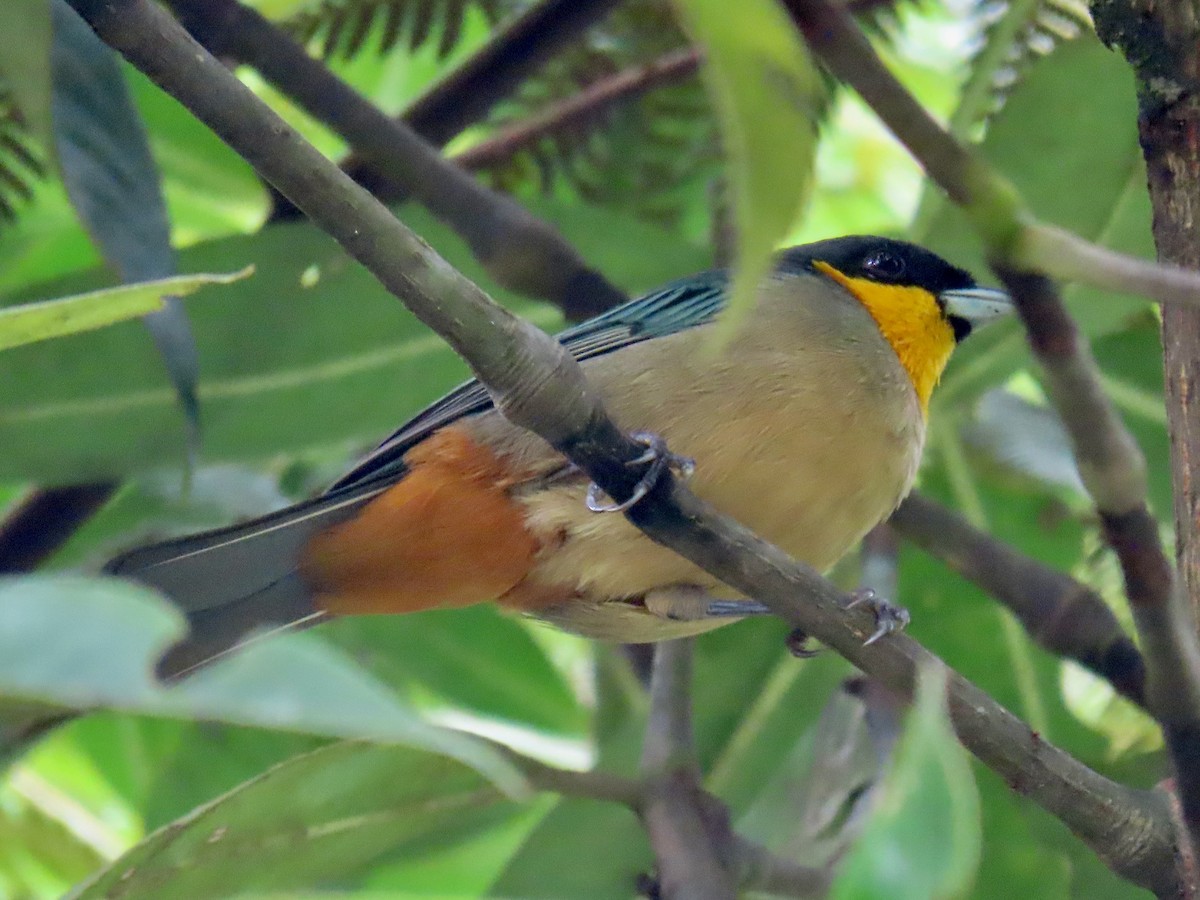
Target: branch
(467,94)
(757,867)
(43,521)
(586,106)
(1162,44)
(1109,460)
(688,829)
(538,386)
(1061,614)
(520,251)
(1001,220)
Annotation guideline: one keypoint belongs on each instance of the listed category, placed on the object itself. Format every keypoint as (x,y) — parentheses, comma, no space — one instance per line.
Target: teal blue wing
(683,304)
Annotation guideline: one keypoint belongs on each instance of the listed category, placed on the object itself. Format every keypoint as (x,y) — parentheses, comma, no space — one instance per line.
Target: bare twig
(519,250)
(1064,616)
(583,107)
(467,94)
(44,520)
(539,387)
(688,829)
(1113,471)
(756,866)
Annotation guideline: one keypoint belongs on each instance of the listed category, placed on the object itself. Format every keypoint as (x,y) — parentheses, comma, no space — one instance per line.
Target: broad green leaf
(923,839)
(40,321)
(317,818)
(606,849)
(77,643)
(308,353)
(114,185)
(477,659)
(25,63)
(766,93)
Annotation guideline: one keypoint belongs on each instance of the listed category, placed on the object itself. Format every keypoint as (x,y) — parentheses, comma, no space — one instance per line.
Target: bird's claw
(659,459)
(797,643)
(889,617)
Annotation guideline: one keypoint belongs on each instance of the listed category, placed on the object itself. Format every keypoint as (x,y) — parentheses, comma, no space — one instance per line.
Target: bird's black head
(884,261)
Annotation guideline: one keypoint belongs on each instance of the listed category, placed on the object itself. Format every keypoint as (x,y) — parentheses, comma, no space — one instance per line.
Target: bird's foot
(890,618)
(690,603)
(658,458)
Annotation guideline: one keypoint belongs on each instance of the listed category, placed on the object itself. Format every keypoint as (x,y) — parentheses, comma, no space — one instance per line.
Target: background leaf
(765,92)
(75,643)
(47,319)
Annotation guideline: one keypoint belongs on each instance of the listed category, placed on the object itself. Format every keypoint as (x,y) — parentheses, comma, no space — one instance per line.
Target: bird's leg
(691,603)
(658,458)
(889,617)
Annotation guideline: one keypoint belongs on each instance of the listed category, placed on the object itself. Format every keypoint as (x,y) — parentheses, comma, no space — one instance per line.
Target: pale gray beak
(970,308)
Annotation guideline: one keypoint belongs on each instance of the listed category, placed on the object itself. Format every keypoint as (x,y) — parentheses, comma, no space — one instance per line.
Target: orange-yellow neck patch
(912,322)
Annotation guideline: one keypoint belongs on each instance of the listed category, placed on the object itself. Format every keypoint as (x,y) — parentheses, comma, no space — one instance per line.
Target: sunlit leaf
(75,643)
(766,93)
(31,322)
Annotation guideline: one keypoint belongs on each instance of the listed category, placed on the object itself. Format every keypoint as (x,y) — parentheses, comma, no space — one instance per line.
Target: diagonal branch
(42,522)
(538,386)
(1062,615)
(467,94)
(586,106)
(519,250)
(1023,253)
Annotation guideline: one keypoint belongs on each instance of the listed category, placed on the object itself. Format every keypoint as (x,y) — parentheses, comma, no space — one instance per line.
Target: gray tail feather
(233,581)
(214,632)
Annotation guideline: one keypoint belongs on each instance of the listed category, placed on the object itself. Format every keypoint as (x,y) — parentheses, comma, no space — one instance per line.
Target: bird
(806,424)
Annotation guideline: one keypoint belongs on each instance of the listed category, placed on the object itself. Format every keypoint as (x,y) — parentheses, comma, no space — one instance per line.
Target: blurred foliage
(308,361)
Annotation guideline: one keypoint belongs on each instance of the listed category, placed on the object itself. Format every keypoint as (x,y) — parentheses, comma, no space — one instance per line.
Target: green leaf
(40,321)
(924,837)
(310,352)
(315,818)
(114,185)
(25,63)
(765,90)
(77,643)
(476,658)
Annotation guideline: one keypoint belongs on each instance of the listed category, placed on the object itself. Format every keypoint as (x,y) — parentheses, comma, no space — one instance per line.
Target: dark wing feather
(683,304)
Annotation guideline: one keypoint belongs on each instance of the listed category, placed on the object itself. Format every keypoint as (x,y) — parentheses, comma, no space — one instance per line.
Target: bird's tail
(238,580)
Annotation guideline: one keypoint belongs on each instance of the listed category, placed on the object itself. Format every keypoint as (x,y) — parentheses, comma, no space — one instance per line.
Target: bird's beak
(977,306)
(970,308)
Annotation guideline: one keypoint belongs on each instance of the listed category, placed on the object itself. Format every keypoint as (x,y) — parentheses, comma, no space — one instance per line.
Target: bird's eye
(884,265)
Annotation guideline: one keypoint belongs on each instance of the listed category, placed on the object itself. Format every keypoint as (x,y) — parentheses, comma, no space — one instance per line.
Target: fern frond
(1012,36)
(343,26)
(20,162)
(620,119)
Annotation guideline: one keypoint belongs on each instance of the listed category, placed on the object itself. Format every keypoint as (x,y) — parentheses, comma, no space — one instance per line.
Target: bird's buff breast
(807,468)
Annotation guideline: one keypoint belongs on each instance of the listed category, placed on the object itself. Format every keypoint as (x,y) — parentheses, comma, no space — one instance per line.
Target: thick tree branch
(519,250)
(538,386)
(1061,614)
(576,111)
(1162,43)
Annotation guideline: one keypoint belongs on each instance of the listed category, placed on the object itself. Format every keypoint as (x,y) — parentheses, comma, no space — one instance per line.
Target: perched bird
(807,426)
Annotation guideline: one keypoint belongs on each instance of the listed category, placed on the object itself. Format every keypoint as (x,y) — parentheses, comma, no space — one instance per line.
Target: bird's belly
(813,491)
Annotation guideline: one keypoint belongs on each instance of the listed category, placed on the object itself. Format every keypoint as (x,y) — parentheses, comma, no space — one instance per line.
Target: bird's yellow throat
(912,322)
